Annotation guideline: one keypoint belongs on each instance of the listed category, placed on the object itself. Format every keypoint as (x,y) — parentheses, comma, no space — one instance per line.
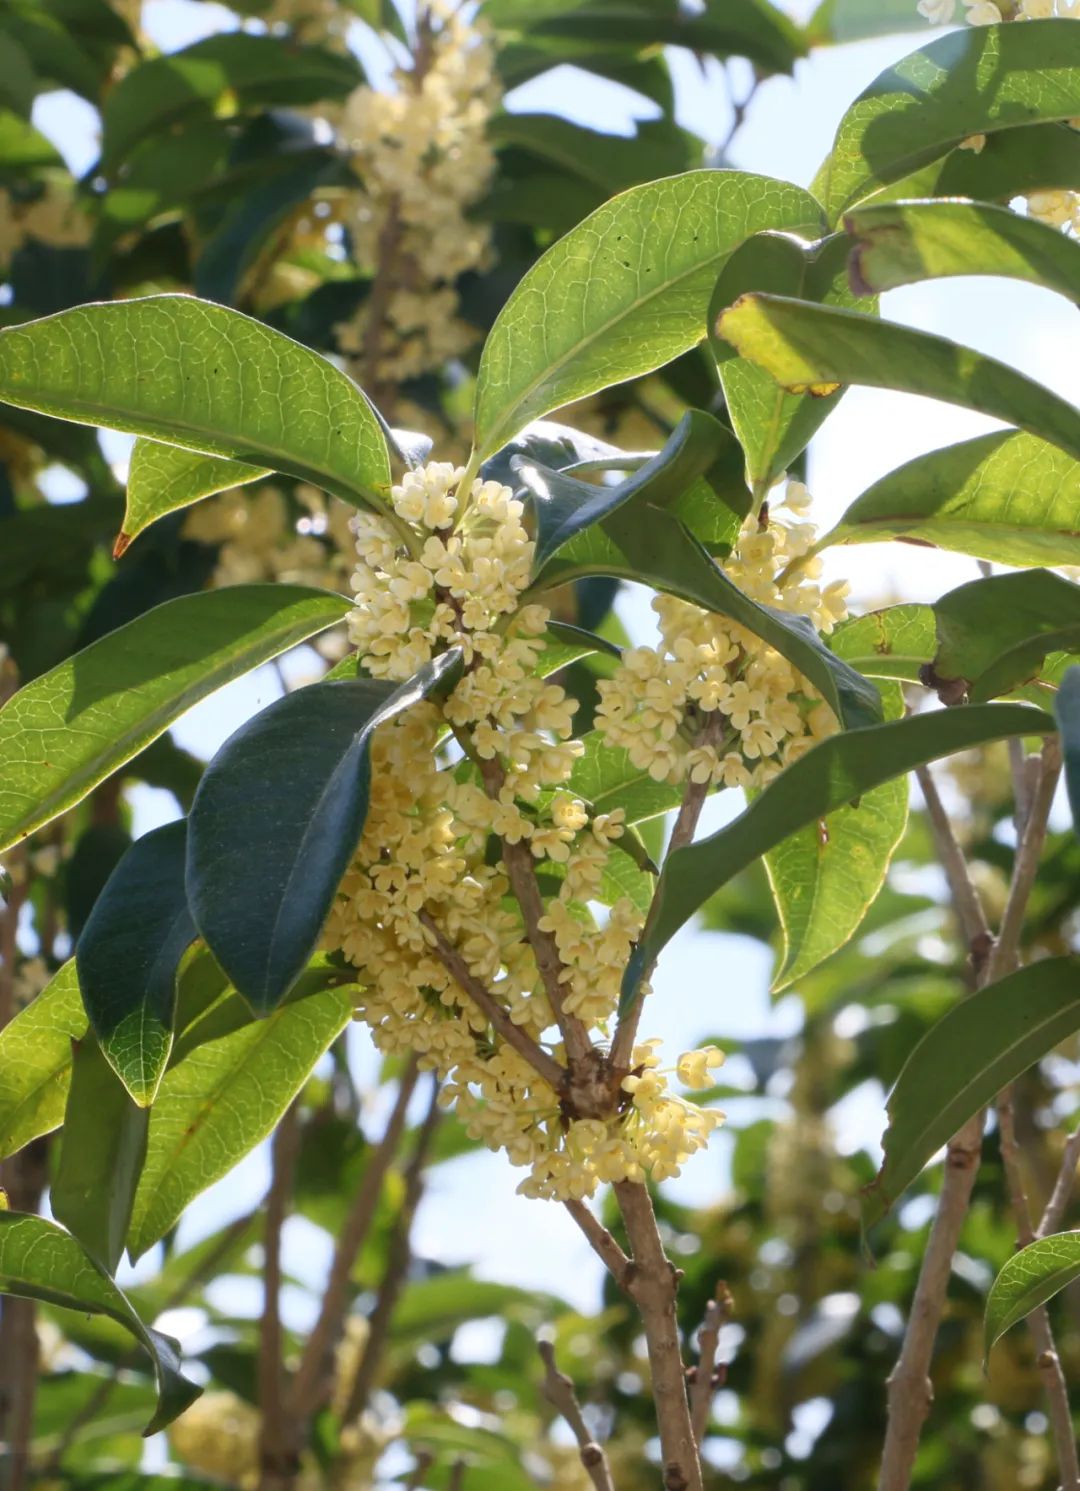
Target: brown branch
(1042,1336)
(965,898)
(1054,1213)
(456,1479)
(601,1241)
(704,1383)
(398,1256)
(1006,952)
(653,1285)
(559,1391)
(544,1065)
(314,1381)
(279,1460)
(424,1461)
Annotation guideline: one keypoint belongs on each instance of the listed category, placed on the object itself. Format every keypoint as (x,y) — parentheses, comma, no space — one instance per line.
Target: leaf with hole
(962,1063)
(68,730)
(39,1260)
(277,818)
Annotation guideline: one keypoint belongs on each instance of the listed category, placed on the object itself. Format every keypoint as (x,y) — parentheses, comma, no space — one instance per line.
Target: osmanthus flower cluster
(428,910)
(1057,208)
(423,159)
(259,537)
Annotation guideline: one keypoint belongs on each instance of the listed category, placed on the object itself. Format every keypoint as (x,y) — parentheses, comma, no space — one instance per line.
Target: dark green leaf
(624,292)
(39,1260)
(1005,497)
(277,818)
(962,1063)
(189,373)
(1030,1278)
(973,81)
(101,1157)
(811,348)
(994,633)
(129,955)
(900,243)
(836,772)
(162,478)
(64,733)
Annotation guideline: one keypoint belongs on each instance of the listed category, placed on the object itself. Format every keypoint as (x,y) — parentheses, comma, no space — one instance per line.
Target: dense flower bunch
(259,539)
(423,158)
(706,664)
(429,873)
(1059,209)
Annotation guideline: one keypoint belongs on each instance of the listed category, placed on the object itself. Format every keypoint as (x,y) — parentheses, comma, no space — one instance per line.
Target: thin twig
(544,1065)
(601,1241)
(717,1312)
(424,1460)
(398,1255)
(559,1391)
(279,1460)
(313,1384)
(1042,1336)
(455,1481)
(1006,952)
(965,898)
(653,1284)
(1054,1213)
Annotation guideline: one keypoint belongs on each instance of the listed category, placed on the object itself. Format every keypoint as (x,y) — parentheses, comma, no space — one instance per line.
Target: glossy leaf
(68,730)
(128,958)
(39,1260)
(973,81)
(834,773)
(223,1098)
(826,876)
(163,478)
(981,1045)
(189,373)
(901,243)
(276,821)
(995,632)
(1067,709)
(774,427)
(101,1156)
(810,348)
(35,1061)
(1005,497)
(1030,1278)
(649,544)
(624,292)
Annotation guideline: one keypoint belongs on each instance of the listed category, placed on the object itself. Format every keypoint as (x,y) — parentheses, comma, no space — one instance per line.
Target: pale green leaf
(35,1061)
(164,478)
(1030,1278)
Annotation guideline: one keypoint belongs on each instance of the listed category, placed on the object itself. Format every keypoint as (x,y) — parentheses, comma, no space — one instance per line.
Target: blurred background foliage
(257,168)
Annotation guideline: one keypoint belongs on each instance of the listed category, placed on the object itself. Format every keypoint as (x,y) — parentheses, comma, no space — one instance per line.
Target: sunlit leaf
(163,478)
(1030,1278)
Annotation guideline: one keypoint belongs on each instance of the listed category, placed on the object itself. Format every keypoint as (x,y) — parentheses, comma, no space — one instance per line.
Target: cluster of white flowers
(705,664)
(259,540)
(53,217)
(423,158)
(428,863)
(1056,208)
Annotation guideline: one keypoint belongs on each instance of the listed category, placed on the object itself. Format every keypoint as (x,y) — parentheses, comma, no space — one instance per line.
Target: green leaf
(607,779)
(976,80)
(71,728)
(895,642)
(22,147)
(235,67)
(698,448)
(35,1061)
(128,958)
(1012,163)
(39,1260)
(198,375)
(1030,1278)
(624,292)
(223,1098)
(648,544)
(277,818)
(836,772)
(826,876)
(163,478)
(1005,497)
(101,1157)
(609,162)
(962,1063)
(994,633)
(774,427)
(812,349)
(901,243)
(1067,709)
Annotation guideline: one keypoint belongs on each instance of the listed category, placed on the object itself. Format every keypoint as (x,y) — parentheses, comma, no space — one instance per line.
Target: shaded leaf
(962,1063)
(994,633)
(1030,1278)
(68,730)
